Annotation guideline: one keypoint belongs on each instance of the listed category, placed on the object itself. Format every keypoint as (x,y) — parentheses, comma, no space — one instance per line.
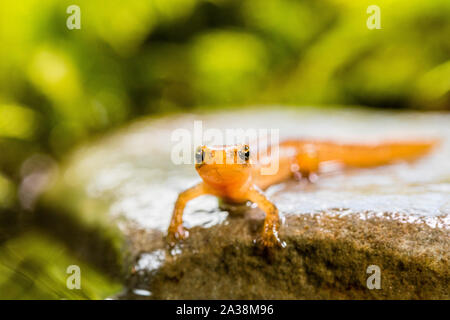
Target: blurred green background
(59,87)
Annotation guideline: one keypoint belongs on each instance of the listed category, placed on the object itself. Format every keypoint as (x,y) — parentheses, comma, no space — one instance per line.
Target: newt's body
(227,173)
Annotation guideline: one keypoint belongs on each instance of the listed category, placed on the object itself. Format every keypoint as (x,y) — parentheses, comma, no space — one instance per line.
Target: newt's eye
(244,153)
(199,155)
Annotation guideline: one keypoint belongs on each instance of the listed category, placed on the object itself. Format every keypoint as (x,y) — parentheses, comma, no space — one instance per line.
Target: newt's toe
(270,239)
(175,235)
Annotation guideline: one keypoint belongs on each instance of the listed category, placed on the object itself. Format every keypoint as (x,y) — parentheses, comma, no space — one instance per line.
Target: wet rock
(113,200)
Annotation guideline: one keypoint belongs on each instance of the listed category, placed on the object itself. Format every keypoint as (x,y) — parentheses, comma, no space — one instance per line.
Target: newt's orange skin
(227,173)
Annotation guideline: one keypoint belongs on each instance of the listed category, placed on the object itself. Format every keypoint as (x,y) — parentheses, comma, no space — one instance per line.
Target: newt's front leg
(270,237)
(176,231)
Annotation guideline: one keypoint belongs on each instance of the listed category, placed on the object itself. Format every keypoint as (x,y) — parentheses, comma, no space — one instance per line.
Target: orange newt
(228,173)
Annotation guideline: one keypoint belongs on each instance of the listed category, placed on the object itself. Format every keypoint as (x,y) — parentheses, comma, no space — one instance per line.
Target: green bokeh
(141,57)
(34,266)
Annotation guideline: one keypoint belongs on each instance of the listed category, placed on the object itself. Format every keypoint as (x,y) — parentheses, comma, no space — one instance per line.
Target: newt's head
(223,166)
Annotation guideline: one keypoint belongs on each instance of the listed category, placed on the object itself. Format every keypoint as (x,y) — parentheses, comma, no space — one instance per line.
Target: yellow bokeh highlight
(54,74)
(228,63)
(17,122)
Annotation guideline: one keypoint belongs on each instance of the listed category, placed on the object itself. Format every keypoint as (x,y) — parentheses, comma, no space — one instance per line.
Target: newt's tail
(368,155)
